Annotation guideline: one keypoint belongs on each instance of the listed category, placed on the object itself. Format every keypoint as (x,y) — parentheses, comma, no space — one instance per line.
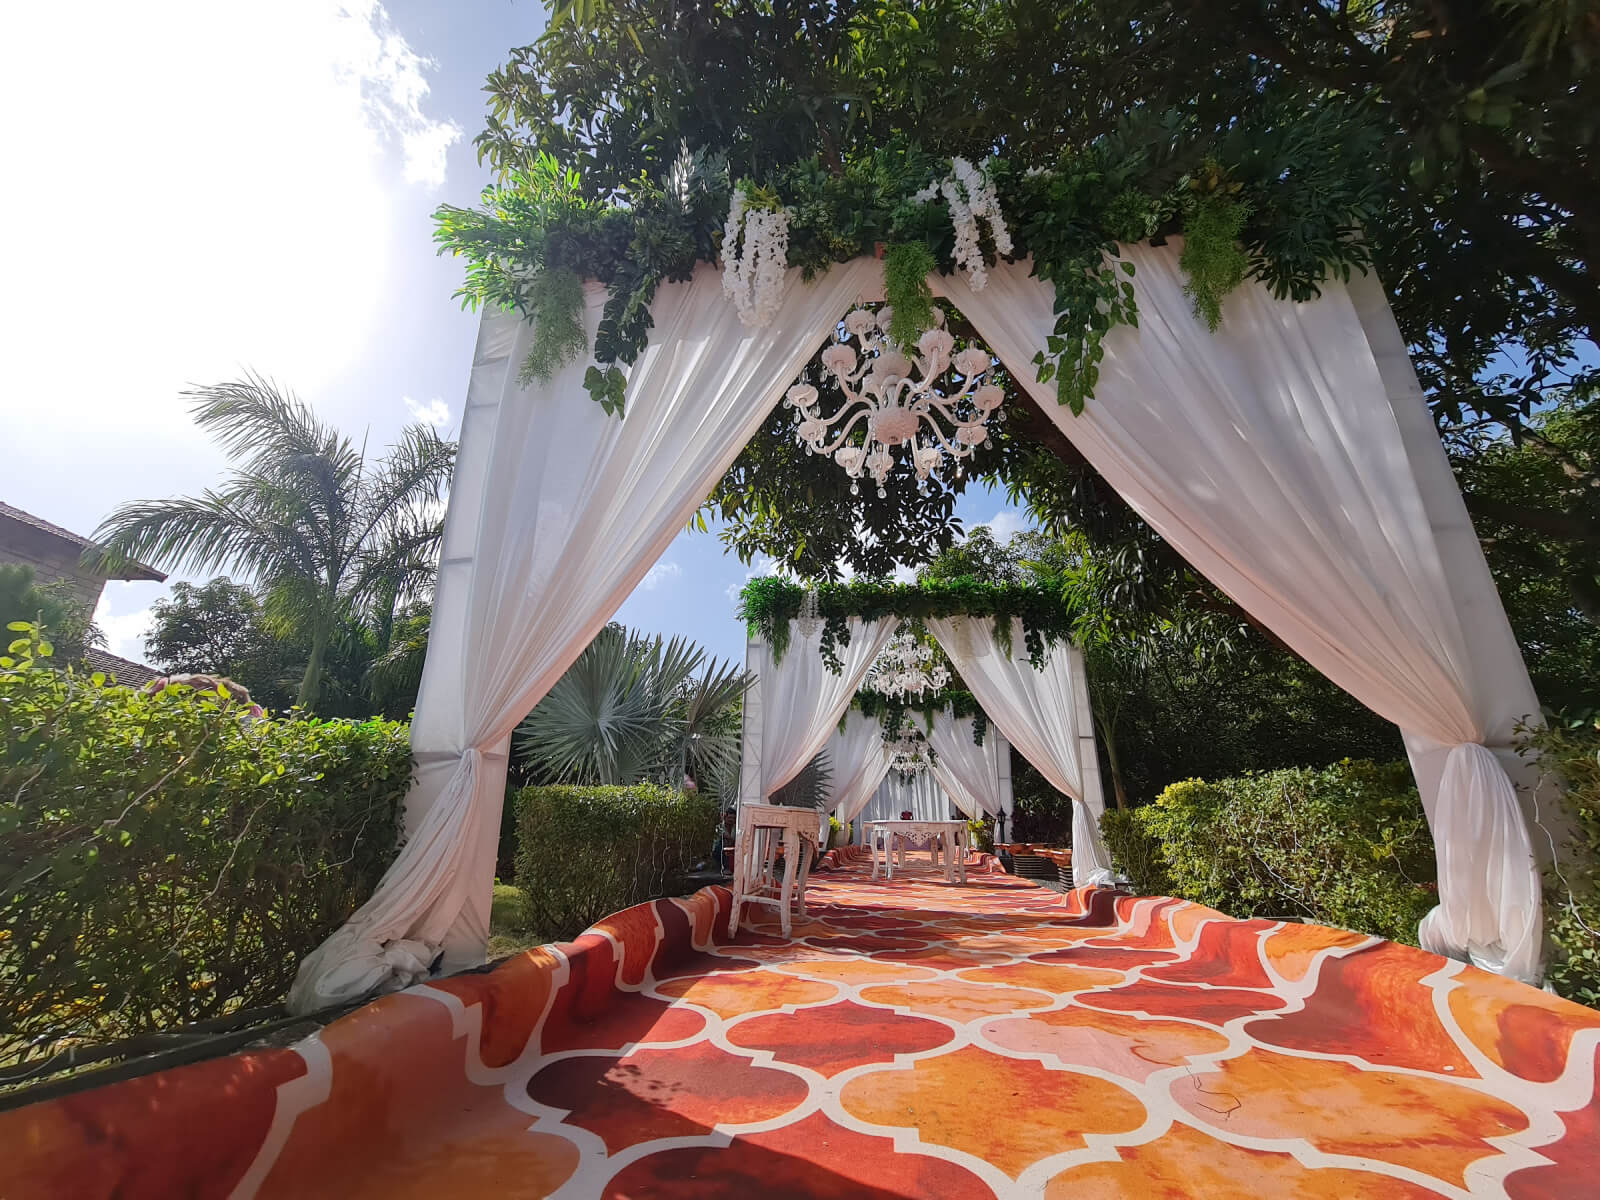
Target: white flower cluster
(752,272)
(971,197)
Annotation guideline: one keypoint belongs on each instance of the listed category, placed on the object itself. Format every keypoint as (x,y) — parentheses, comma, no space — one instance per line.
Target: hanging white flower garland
(753,266)
(971,197)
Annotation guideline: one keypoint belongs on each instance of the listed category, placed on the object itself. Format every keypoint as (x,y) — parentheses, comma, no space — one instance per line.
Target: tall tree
(328,534)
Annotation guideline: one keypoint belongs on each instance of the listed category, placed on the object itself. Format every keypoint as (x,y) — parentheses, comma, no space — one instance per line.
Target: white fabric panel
(968,772)
(557,510)
(1040,714)
(859,760)
(802,700)
(1275,457)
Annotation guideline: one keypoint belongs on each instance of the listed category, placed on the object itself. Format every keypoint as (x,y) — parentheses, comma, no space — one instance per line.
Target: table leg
(806,851)
(791,852)
(741,875)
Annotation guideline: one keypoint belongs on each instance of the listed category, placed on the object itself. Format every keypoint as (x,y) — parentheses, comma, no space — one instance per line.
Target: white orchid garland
(753,266)
(971,197)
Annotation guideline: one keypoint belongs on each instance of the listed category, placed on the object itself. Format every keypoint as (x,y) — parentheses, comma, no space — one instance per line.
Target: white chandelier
(898,401)
(905,667)
(908,753)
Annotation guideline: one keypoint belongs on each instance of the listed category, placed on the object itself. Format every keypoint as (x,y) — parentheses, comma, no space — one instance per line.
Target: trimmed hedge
(163,862)
(586,852)
(1346,845)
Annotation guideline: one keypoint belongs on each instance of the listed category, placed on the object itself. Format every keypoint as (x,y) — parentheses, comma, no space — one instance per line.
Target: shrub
(980,834)
(162,862)
(1572,896)
(838,833)
(1136,851)
(586,852)
(1345,845)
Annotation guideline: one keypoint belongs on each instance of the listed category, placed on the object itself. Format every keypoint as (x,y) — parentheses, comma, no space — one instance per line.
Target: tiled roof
(129,674)
(131,571)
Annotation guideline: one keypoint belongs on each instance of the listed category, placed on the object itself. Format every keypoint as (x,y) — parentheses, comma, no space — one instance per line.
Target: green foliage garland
(768,604)
(906,267)
(891,710)
(1291,206)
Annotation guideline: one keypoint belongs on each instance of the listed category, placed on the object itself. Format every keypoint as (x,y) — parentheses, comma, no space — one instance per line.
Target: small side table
(762,828)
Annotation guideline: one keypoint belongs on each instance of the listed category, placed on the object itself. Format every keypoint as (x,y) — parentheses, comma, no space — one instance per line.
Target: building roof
(133,570)
(129,674)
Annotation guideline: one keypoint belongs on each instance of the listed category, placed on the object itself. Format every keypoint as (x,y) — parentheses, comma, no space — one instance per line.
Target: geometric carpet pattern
(912,1039)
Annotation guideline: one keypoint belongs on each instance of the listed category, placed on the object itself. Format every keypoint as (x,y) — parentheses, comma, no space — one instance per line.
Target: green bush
(1135,851)
(162,862)
(838,833)
(1572,897)
(1346,845)
(585,852)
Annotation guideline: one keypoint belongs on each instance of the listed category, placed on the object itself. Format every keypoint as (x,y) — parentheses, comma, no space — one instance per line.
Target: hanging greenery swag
(1279,205)
(891,711)
(767,605)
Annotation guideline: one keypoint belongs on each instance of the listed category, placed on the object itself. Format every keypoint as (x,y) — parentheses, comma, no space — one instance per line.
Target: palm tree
(632,709)
(329,535)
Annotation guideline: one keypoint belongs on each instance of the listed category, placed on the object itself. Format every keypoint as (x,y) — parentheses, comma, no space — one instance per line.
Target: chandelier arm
(843,434)
(850,402)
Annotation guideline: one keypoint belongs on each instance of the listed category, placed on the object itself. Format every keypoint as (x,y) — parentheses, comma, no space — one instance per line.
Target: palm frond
(809,789)
(256,421)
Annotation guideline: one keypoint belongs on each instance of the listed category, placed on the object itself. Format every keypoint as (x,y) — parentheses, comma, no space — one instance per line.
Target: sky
(222,186)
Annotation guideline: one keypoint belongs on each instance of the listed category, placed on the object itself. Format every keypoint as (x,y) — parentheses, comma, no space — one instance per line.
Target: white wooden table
(947,836)
(762,828)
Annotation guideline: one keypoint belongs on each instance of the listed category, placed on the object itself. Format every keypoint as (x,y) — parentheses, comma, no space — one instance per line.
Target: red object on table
(906,816)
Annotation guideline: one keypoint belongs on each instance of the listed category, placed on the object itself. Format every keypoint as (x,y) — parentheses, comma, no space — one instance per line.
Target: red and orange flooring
(914,1039)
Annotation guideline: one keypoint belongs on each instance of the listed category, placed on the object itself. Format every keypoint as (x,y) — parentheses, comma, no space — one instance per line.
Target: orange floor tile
(914,1039)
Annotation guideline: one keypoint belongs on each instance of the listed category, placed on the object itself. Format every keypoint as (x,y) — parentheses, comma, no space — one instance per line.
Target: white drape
(1044,714)
(859,760)
(1277,459)
(557,512)
(802,700)
(968,772)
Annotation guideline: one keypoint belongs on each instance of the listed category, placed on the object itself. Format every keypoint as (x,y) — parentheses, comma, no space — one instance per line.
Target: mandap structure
(1287,453)
(825,677)
(912,1038)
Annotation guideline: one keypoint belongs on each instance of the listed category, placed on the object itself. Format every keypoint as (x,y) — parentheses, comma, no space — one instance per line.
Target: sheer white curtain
(1295,470)
(859,760)
(1044,714)
(968,772)
(802,700)
(556,512)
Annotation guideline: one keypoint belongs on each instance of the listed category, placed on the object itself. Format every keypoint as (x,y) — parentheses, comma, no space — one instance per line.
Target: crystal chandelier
(908,753)
(905,667)
(936,406)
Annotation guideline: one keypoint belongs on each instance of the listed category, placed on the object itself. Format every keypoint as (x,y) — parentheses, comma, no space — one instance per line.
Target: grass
(507,934)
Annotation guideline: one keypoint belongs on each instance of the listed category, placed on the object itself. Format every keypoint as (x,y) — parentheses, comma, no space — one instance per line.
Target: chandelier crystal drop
(932,405)
(905,667)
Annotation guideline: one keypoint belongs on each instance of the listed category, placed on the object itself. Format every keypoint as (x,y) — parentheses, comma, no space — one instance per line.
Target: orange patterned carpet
(914,1040)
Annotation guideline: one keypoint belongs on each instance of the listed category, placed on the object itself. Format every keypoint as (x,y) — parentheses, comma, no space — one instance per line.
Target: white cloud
(1006,523)
(124,631)
(659,574)
(196,187)
(435,412)
(904,574)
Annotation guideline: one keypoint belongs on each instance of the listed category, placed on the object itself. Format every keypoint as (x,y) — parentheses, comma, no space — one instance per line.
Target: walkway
(915,1040)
